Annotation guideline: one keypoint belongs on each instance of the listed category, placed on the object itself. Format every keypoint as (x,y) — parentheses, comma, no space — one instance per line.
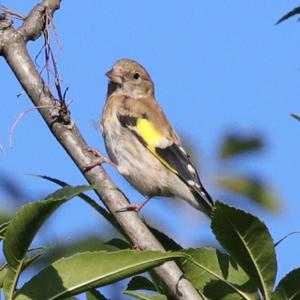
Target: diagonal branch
(13,49)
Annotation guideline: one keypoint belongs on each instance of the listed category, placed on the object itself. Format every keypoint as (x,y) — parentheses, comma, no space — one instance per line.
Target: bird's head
(129,78)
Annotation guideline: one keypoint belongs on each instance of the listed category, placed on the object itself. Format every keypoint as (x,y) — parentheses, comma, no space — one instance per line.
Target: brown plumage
(141,142)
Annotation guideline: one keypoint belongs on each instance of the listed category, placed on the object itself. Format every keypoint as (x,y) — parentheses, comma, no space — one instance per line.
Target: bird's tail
(204,200)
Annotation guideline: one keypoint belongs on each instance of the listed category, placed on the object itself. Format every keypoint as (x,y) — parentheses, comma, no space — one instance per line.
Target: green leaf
(288,287)
(294,115)
(23,228)
(82,244)
(102,211)
(168,243)
(3,271)
(249,242)
(145,297)
(219,290)
(94,295)
(285,237)
(119,244)
(290,14)
(3,228)
(237,144)
(252,188)
(29,260)
(85,271)
(207,265)
(141,283)
(4,217)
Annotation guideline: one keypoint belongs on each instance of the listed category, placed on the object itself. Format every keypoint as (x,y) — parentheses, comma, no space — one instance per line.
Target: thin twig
(18,119)
(49,56)
(12,13)
(56,34)
(64,96)
(38,55)
(285,237)
(56,78)
(47,48)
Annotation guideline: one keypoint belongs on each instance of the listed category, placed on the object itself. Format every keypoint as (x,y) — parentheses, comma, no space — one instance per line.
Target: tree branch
(13,49)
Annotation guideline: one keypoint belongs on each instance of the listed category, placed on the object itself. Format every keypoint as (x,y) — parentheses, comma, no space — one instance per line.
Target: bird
(142,144)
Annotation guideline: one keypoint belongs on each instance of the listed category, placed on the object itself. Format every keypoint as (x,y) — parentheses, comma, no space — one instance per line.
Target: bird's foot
(94,151)
(100,159)
(135,207)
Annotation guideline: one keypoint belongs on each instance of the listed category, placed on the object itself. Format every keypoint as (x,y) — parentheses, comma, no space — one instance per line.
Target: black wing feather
(126,120)
(177,160)
(180,161)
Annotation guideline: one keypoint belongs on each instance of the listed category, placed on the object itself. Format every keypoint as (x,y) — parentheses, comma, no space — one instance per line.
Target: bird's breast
(135,161)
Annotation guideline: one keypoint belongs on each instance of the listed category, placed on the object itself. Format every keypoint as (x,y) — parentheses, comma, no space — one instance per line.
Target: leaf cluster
(245,269)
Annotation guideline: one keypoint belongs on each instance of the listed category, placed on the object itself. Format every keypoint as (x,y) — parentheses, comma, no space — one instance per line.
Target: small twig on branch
(49,56)
(60,113)
(56,34)
(57,78)
(18,119)
(12,13)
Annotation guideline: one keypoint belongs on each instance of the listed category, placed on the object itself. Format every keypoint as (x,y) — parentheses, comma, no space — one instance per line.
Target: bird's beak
(114,76)
(109,74)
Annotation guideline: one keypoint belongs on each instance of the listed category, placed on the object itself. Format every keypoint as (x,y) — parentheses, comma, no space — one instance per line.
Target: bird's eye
(136,76)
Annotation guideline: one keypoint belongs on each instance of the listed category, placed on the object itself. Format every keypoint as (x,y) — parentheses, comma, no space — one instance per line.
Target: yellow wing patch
(148,132)
(151,137)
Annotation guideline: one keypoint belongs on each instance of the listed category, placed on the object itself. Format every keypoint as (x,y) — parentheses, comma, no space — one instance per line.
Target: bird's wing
(153,130)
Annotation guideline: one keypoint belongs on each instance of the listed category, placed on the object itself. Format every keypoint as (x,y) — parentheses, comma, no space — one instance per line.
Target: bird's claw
(98,161)
(135,207)
(95,152)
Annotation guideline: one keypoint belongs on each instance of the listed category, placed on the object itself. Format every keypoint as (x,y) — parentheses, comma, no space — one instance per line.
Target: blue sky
(218,66)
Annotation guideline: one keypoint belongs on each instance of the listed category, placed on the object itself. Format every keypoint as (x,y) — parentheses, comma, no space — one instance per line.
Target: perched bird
(141,142)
